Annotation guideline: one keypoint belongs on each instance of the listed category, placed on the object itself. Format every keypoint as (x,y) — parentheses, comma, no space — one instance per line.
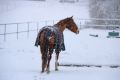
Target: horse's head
(71,25)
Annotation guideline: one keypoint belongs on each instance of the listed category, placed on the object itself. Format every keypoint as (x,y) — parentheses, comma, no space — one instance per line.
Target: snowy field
(21,60)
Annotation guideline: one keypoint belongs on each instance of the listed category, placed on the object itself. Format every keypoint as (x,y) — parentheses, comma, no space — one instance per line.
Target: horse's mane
(64,21)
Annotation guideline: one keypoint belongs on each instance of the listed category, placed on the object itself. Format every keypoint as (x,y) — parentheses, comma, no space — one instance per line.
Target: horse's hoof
(48,72)
(57,64)
(56,69)
(42,71)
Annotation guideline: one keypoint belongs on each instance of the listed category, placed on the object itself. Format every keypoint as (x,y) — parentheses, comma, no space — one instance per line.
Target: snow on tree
(105,9)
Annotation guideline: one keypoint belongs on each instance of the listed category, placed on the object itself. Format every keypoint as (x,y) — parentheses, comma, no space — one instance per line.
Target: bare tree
(105,9)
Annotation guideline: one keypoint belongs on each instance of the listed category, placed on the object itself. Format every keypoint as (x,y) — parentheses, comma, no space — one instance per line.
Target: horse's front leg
(49,58)
(56,61)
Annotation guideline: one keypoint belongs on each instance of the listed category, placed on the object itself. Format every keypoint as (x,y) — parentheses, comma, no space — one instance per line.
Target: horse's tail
(44,46)
(37,42)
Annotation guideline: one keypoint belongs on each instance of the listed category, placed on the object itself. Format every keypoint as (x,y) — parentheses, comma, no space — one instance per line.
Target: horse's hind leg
(43,49)
(56,61)
(43,63)
(49,56)
(43,57)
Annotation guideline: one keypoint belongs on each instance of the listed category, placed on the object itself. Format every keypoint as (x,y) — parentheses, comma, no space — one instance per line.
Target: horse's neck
(61,27)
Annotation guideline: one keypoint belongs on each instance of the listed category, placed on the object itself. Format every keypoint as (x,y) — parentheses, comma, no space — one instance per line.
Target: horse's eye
(68,27)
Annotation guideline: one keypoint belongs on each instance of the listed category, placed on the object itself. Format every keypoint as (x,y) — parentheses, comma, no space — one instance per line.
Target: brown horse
(51,38)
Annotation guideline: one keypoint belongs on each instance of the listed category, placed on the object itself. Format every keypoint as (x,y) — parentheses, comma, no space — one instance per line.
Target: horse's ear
(71,17)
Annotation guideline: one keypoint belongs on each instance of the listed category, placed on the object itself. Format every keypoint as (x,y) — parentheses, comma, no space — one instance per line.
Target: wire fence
(17,28)
(23,27)
(27,27)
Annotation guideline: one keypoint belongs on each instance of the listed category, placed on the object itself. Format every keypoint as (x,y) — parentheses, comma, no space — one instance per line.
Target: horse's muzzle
(77,32)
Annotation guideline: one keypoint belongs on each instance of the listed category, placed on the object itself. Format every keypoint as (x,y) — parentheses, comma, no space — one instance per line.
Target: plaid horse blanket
(59,38)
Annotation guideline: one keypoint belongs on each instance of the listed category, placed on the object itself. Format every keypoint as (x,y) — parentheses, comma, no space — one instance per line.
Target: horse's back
(51,34)
(43,34)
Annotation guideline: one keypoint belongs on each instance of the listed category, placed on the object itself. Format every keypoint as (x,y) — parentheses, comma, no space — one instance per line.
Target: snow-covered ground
(21,60)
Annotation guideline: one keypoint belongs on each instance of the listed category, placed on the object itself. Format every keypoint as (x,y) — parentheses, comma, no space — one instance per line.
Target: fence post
(45,23)
(53,22)
(37,26)
(17,31)
(28,30)
(5,33)
(80,25)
